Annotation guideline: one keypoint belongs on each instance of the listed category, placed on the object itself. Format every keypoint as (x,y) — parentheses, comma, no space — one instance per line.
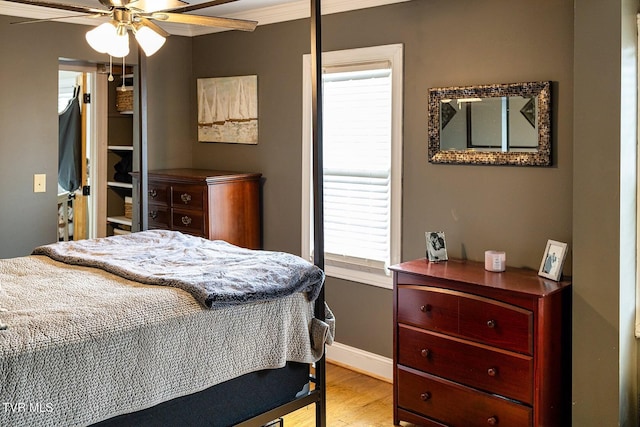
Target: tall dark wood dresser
(208,203)
(477,348)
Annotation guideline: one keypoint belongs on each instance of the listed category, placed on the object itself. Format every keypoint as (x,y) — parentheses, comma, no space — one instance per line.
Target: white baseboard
(361,361)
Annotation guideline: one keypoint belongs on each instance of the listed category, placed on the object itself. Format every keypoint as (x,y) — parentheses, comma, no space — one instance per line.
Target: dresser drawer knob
(425,308)
(186,198)
(425,396)
(186,220)
(492,372)
(153,193)
(492,421)
(426,353)
(153,214)
(491,323)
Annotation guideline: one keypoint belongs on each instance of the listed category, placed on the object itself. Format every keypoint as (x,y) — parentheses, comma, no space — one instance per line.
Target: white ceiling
(263,11)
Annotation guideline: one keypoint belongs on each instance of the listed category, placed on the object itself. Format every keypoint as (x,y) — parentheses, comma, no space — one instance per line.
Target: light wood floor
(353,399)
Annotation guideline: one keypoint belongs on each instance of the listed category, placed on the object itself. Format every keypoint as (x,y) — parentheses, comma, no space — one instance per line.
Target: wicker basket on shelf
(124,98)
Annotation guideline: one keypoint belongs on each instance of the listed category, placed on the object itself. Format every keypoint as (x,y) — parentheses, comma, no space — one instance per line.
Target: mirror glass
(503,124)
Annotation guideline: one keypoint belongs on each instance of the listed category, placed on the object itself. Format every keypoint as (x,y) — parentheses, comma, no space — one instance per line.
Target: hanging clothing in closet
(70,145)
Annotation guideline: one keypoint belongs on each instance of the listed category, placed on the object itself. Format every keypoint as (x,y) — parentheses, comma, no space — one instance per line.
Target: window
(362,145)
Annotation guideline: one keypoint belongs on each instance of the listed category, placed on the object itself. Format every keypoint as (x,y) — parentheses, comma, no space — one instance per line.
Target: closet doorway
(82,124)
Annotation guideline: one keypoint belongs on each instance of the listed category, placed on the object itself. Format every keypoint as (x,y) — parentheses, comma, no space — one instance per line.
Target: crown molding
(298,9)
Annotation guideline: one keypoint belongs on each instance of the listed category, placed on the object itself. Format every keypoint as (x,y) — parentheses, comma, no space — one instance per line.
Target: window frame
(393,54)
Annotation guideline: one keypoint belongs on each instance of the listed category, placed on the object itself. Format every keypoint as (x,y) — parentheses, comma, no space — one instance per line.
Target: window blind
(357,166)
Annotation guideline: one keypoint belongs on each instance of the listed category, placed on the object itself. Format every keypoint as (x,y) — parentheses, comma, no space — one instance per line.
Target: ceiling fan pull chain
(123,85)
(110,78)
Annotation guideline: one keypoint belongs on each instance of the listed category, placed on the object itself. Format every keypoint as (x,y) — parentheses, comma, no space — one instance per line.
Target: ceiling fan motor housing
(123,16)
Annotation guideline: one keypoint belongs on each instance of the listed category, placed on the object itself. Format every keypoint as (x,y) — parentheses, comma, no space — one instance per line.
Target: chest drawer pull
(425,308)
(186,198)
(491,323)
(425,396)
(492,421)
(426,353)
(153,214)
(153,193)
(186,220)
(492,372)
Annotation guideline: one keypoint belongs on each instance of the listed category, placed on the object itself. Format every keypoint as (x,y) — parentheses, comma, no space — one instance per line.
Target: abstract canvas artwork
(228,109)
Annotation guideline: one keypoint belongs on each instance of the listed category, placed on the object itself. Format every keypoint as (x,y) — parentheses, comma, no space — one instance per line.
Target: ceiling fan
(138,16)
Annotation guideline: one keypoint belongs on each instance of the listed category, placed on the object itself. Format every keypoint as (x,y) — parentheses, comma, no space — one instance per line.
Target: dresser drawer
(496,323)
(187,197)
(158,193)
(191,222)
(457,405)
(159,216)
(428,308)
(476,365)
(468,316)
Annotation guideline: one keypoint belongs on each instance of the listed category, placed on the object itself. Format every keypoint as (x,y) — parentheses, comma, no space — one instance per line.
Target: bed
(127,329)
(39,376)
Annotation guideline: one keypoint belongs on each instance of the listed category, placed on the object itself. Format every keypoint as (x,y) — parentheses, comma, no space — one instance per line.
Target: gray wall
(578,200)
(445,44)
(171,130)
(29,127)
(278,153)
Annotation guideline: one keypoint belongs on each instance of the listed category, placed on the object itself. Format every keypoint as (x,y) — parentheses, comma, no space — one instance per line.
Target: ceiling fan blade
(61,6)
(149,6)
(35,21)
(158,29)
(207,21)
(204,5)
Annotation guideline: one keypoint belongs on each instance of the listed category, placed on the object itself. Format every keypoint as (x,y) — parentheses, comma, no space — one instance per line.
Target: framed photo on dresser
(436,246)
(553,260)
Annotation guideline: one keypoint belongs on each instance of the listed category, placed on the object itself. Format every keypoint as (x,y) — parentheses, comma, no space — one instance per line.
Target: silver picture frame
(553,260)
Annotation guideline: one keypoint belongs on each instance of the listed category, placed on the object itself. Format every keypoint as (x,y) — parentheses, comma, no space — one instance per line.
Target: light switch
(39,183)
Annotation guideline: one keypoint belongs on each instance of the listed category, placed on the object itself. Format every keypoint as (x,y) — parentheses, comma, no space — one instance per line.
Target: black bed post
(318,203)
(316,99)
(142,217)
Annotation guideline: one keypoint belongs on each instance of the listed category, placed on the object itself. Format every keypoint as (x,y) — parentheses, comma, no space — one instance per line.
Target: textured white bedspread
(83,345)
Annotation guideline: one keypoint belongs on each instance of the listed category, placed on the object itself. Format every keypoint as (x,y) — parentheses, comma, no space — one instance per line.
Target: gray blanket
(216,273)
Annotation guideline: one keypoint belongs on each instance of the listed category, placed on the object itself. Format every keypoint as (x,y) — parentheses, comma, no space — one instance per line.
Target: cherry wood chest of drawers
(212,204)
(477,348)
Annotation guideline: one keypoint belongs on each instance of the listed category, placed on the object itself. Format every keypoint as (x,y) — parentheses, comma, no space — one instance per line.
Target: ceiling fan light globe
(119,46)
(101,37)
(149,40)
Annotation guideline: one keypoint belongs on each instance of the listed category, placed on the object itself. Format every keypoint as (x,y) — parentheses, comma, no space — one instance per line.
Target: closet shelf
(120,147)
(123,220)
(119,184)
